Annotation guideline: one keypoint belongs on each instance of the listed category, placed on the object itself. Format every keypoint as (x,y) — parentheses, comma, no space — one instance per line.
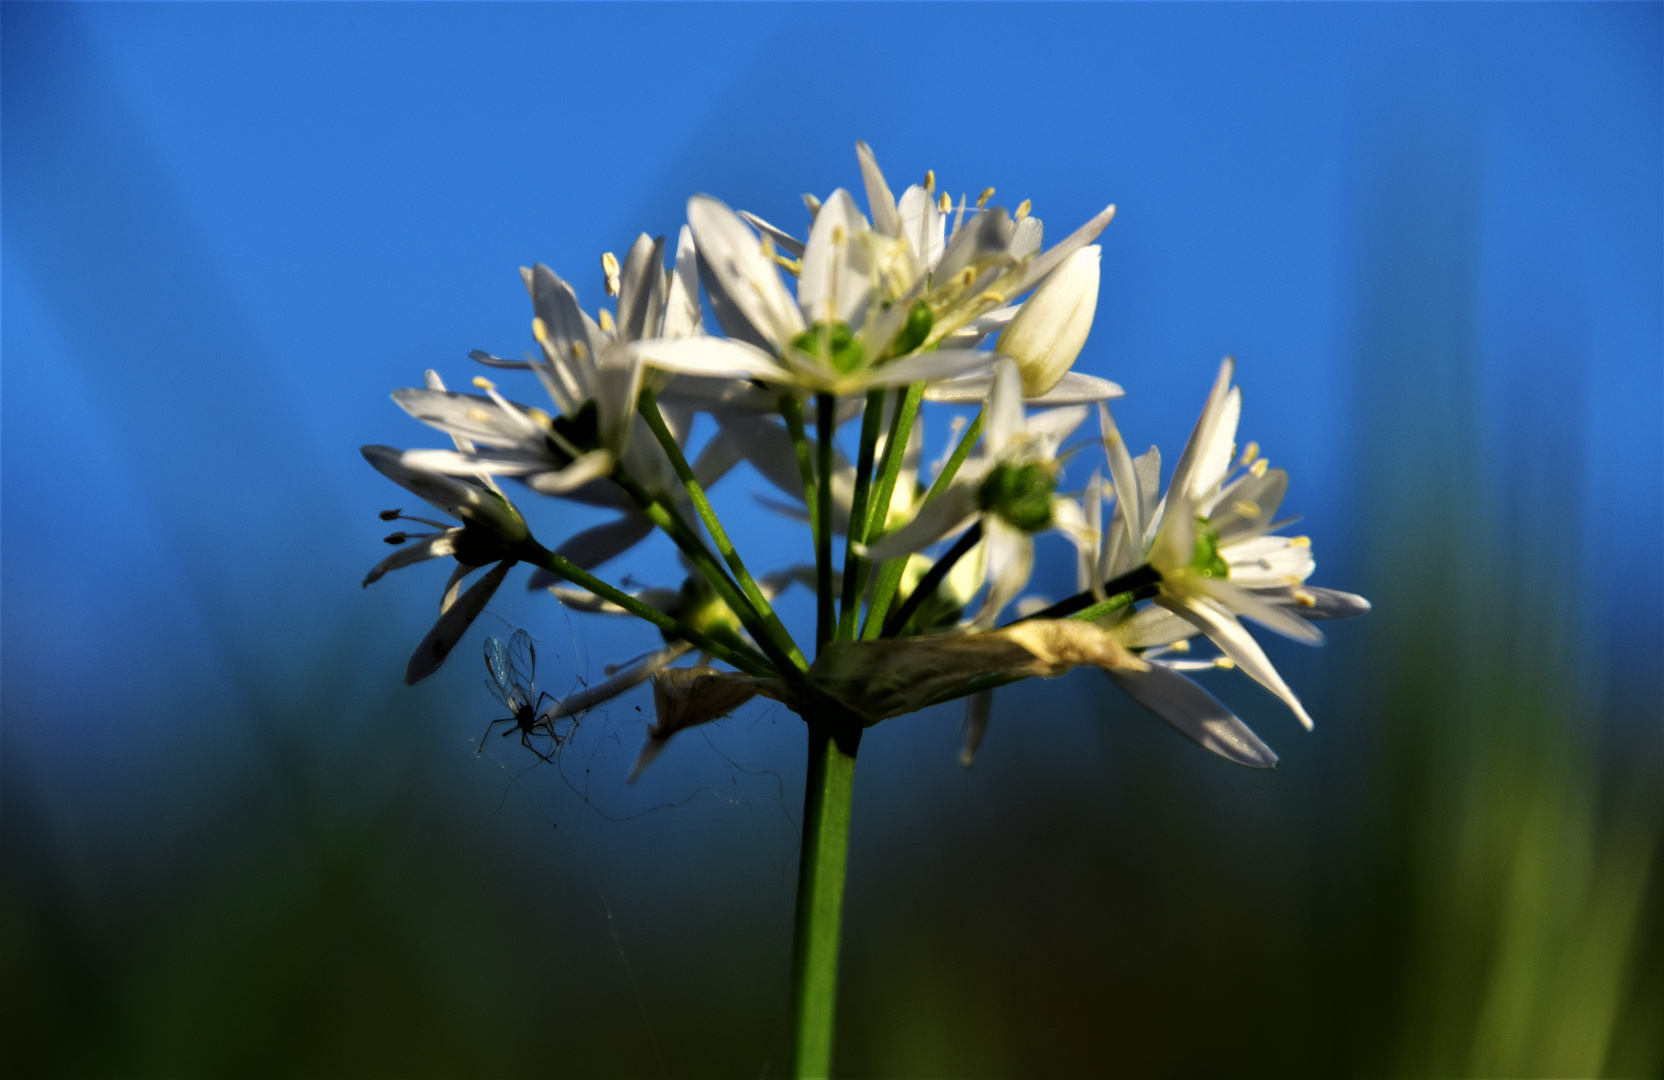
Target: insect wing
(497,666)
(522,668)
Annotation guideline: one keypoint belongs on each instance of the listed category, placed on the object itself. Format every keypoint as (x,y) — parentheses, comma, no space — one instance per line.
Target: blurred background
(231,841)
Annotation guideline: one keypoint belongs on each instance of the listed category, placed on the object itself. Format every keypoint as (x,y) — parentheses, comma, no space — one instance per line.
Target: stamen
(1299,541)
(967,277)
(389,515)
(484,383)
(609,267)
(838,234)
(1224,663)
(944,204)
(395,538)
(1247,508)
(929,180)
(1180,646)
(478,414)
(768,246)
(1258,468)
(1248,455)
(1304,598)
(1023,209)
(580,351)
(982,200)
(991,298)
(604,318)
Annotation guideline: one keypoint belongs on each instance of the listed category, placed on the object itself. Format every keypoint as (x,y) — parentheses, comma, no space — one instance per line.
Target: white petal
(1242,602)
(926,367)
(1010,562)
(923,225)
(978,708)
(1152,627)
(1005,409)
(710,356)
(885,219)
(938,519)
(587,467)
(618,386)
(569,341)
(1055,425)
(1237,643)
(1076,388)
(464,416)
(783,240)
(1266,562)
(748,278)
(1076,240)
(436,546)
(452,625)
(594,546)
(629,678)
(1311,602)
(488,462)
(987,234)
(835,282)
(681,306)
(1197,713)
(1026,238)
(1205,437)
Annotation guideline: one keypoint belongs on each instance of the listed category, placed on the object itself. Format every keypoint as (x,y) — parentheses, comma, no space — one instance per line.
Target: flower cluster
(850,331)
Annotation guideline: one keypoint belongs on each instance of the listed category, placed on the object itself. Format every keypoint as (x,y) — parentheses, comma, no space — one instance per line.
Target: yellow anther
(609,267)
(768,246)
(813,204)
(1299,541)
(982,200)
(541,418)
(1247,508)
(580,351)
(929,180)
(1224,663)
(484,383)
(1304,598)
(1023,209)
(1251,453)
(479,415)
(1258,468)
(967,277)
(604,317)
(540,330)
(944,204)
(793,267)
(991,298)
(838,235)
(1180,646)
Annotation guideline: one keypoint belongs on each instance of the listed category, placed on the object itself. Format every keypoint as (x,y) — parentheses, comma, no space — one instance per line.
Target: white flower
(871,299)
(1050,329)
(1009,490)
(491,528)
(1210,539)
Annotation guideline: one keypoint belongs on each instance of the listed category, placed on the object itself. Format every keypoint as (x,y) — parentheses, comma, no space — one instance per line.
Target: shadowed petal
(1197,713)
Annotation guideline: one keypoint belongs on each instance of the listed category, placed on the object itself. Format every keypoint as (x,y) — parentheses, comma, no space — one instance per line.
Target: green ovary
(834,342)
(1020,494)
(1206,561)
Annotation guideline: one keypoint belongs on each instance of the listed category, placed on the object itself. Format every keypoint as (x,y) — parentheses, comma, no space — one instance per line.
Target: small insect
(512,669)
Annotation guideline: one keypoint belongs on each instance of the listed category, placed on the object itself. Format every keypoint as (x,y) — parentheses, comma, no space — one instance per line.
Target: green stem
(772,626)
(792,410)
(834,736)
(857,531)
(889,576)
(825,424)
(895,453)
(666,517)
(742,658)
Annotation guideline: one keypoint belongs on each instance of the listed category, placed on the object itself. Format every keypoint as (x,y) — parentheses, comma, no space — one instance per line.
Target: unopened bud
(1048,332)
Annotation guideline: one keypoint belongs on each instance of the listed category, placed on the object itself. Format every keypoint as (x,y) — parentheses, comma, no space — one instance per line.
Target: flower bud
(1048,331)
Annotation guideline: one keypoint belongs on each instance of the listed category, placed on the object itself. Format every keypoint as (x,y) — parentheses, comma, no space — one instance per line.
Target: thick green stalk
(834,736)
(857,531)
(826,424)
(889,576)
(772,626)
(666,517)
(744,659)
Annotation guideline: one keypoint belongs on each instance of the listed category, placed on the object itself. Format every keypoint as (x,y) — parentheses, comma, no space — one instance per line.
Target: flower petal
(1045,264)
(1197,713)
(1006,421)
(1010,562)
(681,306)
(586,467)
(726,358)
(1237,643)
(836,280)
(783,240)
(978,708)
(941,517)
(745,277)
(926,367)
(453,624)
(885,219)
(436,546)
(1206,437)
(923,225)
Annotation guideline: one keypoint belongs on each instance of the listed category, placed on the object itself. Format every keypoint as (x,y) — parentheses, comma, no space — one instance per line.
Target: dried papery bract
(833,342)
